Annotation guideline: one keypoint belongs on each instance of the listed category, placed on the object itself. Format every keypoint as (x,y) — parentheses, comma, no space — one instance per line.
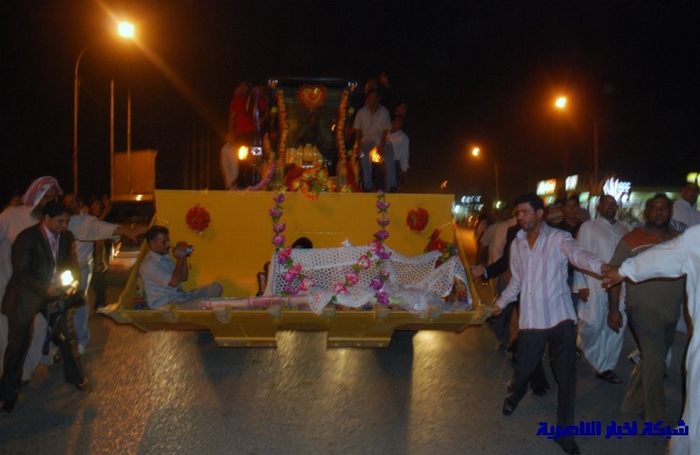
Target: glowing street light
(475,152)
(560,102)
(127,31)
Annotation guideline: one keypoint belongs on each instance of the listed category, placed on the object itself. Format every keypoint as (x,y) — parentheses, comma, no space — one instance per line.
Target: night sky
(472,72)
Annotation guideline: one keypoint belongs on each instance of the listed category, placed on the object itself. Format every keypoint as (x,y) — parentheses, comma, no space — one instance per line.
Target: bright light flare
(375,156)
(476,151)
(243,153)
(561,102)
(126,30)
(67,278)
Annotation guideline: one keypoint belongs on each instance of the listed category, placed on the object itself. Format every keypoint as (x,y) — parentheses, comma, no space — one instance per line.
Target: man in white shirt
(672,259)
(684,210)
(539,258)
(162,276)
(399,143)
(87,229)
(600,344)
(372,124)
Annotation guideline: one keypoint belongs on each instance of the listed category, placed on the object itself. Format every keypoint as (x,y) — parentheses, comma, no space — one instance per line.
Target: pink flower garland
(375,256)
(292,271)
(377,248)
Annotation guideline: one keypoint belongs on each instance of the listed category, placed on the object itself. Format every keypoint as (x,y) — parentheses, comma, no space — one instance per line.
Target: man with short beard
(39,255)
(13,220)
(600,345)
(164,274)
(652,307)
(539,257)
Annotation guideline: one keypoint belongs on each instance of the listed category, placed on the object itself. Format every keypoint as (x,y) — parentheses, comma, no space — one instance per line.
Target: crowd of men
(44,320)
(40,238)
(563,278)
(568,284)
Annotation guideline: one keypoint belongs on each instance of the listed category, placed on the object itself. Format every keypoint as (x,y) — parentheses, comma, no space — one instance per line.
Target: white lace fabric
(414,283)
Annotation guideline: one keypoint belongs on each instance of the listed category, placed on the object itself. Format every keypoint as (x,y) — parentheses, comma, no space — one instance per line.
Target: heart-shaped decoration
(312,96)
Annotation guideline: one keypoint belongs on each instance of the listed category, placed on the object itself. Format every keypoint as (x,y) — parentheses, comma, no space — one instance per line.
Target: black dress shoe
(8,405)
(508,407)
(609,376)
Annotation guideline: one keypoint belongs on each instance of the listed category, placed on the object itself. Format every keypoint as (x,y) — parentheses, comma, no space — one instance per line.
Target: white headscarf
(38,189)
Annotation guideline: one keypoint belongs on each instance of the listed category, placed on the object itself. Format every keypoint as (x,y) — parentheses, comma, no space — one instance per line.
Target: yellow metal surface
(238,242)
(258,328)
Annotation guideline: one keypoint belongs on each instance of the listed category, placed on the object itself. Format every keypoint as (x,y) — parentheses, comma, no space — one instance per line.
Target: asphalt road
(428,393)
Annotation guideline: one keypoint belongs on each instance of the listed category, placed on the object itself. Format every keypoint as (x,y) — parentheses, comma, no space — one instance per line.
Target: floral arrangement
(312,96)
(377,248)
(346,170)
(283,127)
(293,277)
(340,132)
(279,228)
(417,219)
(376,256)
(310,181)
(198,219)
(446,249)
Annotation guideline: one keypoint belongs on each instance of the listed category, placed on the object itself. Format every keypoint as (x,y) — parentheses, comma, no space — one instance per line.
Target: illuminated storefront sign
(546,187)
(618,189)
(571,183)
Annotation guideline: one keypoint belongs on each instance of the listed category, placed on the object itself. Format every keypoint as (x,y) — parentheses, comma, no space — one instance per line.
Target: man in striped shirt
(539,258)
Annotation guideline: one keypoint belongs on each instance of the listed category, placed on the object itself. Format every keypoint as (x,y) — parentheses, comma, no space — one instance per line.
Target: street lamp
(125,30)
(560,103)
(475,152)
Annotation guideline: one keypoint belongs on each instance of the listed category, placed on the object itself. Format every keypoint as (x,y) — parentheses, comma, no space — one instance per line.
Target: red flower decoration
(446,249)
(417,219)
(198,218)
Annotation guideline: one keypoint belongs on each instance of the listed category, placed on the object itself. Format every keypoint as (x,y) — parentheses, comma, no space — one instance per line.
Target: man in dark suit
(39,254)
